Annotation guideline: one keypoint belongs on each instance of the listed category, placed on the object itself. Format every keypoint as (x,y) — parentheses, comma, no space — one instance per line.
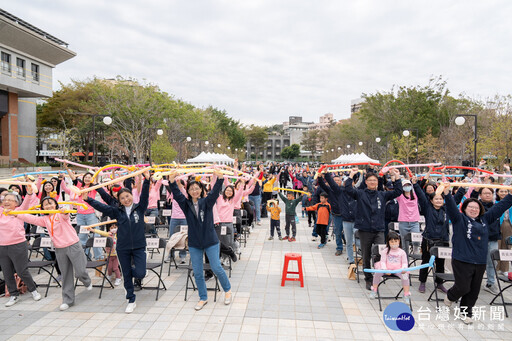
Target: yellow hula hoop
(129,168)
(84,206)
(40,212)
(290,190)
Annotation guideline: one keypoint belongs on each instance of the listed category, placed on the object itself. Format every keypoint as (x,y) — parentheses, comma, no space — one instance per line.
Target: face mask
(394,247)
(407,188)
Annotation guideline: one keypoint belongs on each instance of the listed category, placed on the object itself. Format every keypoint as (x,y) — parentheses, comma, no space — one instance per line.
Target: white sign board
(152,243)
(150,220)
(83,230)
(223,230)
(184,228)
(167,212)
(444,252)
(40,230)
(506,255)
(46,242)
(100,242)
(416,237)
(396,226)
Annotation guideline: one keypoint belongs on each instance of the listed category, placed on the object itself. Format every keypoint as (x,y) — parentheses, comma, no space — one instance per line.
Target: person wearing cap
(408,214)
(13,245)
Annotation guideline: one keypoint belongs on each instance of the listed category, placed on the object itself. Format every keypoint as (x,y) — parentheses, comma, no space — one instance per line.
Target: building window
(20,67)
(6,62)
(35,72)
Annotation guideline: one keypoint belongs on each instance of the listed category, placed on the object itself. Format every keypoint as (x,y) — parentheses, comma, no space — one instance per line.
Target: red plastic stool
(287,258)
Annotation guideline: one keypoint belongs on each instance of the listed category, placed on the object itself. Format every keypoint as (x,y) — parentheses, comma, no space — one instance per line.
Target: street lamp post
(407,133)
(460,120)
(106,120)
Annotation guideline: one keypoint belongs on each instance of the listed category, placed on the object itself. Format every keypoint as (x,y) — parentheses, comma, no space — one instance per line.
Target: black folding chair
(413,237)
(496,256)
(154,266)
(245,228)
(42,265)
(358,254)
(385,278)
(440,253)
(98,265)
(206,266)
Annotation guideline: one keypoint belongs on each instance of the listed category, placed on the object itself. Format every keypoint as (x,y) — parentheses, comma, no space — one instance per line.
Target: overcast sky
(263,61)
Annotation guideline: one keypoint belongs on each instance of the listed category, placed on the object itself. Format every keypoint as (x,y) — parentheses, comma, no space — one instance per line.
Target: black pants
(282,184)
(265,196)
(311,217)
(368,238)
(290,220)
(321,229)
(468,278)
(133,265)
(425,258)
(275,225)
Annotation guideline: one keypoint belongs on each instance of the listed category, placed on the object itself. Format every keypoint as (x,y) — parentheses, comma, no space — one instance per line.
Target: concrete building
(293,132)
(28,56)
(355,105)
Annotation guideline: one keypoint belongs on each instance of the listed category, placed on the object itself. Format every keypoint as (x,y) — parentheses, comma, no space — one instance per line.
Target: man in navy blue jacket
(370,212)
(336,214)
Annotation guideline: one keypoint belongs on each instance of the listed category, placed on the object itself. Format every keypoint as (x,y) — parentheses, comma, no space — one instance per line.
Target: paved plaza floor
(329,307)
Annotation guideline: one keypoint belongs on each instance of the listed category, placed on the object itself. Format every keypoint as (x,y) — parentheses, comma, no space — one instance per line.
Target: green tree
(310,140)
(162,151)
(257,136)
(291,152)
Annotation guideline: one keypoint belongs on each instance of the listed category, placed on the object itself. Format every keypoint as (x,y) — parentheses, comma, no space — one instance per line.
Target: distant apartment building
(28,56)
(293,132)
(355,105)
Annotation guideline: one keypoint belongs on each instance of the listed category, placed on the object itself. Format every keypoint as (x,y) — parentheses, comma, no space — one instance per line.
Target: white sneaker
(130,307)
(64,306)
(468,320)
(117,282)
(227,298)
(35,295)
(200,305)
(373,294)
(447,302)
(89,288)
(493,289)
(12,301)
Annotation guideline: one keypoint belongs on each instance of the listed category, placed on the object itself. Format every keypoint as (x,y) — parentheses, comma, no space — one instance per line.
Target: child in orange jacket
(324,210)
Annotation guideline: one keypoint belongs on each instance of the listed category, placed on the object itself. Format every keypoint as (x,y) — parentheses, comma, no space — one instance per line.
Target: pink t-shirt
(62,233)
(408,210)
(225,208)
(78,199)
(12,230)
(392,260)
(154,194)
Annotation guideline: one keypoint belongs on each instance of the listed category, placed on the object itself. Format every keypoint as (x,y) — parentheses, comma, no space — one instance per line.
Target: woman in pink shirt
(68,249)
(392,258)
(178,218)
(246,189)
(85,216)
(13,245)
(408,214)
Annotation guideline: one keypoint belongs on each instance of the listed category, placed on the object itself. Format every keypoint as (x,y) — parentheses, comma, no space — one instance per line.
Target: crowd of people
(353,202)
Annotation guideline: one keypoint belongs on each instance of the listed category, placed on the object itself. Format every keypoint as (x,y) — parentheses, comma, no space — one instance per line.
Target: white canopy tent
(212,157)
(353,158)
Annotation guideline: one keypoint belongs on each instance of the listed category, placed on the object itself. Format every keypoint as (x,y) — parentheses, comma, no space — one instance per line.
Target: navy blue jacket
(201,228)
(392,211)
(371,205)
(437,224)
(346,203)
(130,230)
(471,236)
(494,227)
(333,199)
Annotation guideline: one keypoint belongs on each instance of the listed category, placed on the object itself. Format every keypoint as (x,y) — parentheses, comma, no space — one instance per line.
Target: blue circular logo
(398,316)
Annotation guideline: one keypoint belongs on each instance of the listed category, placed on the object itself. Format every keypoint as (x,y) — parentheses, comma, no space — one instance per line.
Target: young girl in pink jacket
(392,258)
(68,249)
